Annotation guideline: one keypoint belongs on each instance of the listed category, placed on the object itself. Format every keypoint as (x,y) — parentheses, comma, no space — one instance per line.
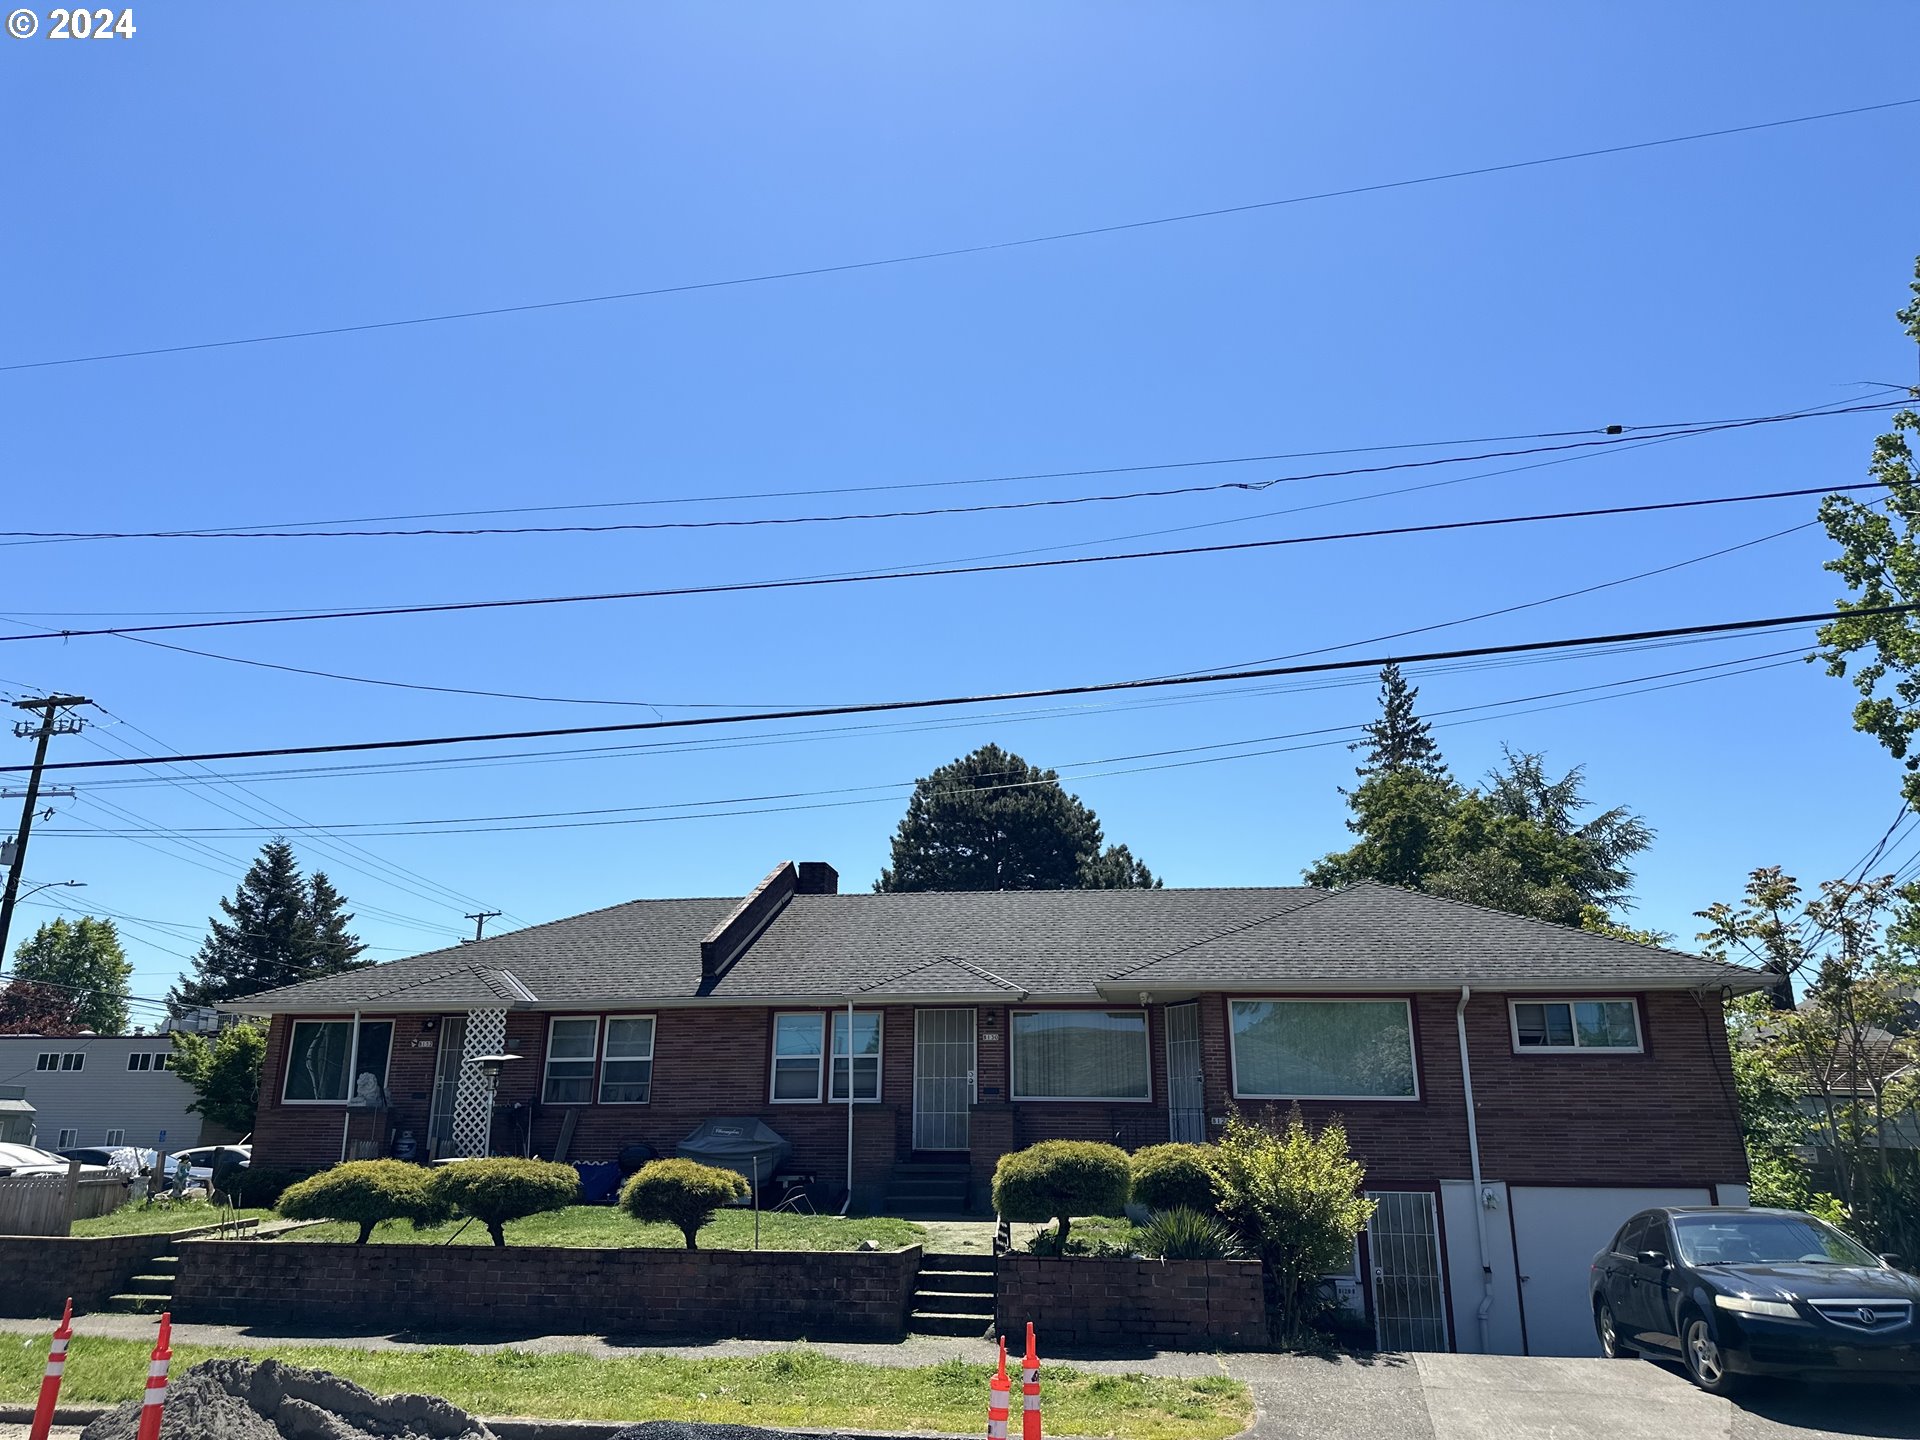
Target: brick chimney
(817,878)
(746,920)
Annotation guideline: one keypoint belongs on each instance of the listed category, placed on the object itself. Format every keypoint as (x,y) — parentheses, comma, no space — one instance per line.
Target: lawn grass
(610,1227)
(796,1387)
(158,1219)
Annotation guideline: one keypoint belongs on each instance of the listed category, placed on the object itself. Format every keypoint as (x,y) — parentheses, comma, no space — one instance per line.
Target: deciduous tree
(83,959)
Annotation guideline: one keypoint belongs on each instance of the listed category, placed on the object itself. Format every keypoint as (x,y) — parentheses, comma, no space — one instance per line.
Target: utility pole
(480,925)
(53,721)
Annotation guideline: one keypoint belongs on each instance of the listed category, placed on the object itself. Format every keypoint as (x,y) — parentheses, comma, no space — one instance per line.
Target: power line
(1090,688)
(952,252)
(474,824)
(1615,437)
(747,586)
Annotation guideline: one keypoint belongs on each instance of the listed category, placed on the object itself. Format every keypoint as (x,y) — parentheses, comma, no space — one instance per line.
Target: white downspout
(1485,1313)
(847,1204)
(353,1065)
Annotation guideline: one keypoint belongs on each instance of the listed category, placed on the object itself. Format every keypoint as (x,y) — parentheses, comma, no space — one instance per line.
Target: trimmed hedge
(1176,1177)
(364,1192)
(681,1193)
(1058,1179)
(502,1189)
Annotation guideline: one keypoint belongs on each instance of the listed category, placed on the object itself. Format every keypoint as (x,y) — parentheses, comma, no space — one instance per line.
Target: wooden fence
(37,1204)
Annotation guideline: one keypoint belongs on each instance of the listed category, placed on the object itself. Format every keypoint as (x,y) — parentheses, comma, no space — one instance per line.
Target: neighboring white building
(101,1090)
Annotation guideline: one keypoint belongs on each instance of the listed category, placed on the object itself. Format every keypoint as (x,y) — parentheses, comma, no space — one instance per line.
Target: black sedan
(1734,1292)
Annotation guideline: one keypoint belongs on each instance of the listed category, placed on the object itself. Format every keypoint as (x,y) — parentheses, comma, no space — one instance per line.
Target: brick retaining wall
(39,1272)
(748,1294)
(1169,1304)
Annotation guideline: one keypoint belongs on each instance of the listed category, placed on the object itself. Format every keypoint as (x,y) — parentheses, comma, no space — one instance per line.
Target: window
(570,1047)
(1323,1050)
(74,1060)
(116,1137)
(165,1062)
(1080,1055)
(796,1056)
(152,1060)
(47,1062)
(319,1052)
(626,1070)
(865,1059)
(68,1140)
(139,1060)
(1570,1025)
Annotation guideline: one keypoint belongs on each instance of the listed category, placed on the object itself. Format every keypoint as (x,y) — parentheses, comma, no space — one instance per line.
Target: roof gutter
(1480,1196)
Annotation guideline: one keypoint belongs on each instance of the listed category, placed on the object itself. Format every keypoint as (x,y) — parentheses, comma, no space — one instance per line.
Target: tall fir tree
(1399,741)
(279,929)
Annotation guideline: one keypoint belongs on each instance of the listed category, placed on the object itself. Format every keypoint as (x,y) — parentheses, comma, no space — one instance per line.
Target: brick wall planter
(41,1271)
(1168,1304)
(752,1294)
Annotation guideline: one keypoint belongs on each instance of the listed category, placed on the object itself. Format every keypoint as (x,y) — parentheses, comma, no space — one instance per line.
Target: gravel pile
(242,1400)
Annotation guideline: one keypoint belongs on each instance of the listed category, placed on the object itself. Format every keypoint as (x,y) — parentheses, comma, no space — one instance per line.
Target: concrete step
(958,1282)
(932,1167)
(932,1323)
(130,1304)
(152,1284)
(926,1185)
(956,1260)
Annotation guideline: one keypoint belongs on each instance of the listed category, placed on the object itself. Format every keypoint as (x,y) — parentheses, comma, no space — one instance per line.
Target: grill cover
(733,1144)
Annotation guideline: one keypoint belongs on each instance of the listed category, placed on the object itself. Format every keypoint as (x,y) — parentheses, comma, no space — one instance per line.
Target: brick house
(981,1022)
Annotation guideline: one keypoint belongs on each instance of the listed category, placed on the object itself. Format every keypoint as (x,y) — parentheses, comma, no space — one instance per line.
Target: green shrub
(364,1192)
(1170,1177)
(1180,1233)
(256,1186)
(681,1193)
(1098,1236)
(1293,1199)
(496,1191)
(1058,1179)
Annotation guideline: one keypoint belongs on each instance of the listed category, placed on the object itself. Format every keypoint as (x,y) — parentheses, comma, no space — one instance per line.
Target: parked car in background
(205,1161)
(1735,1292)
(127,1160)
(27,1160)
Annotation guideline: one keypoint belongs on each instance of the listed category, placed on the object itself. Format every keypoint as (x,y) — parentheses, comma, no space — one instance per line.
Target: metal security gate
(943,1066)
(446,1084)
(1186,1091)
(1409,1299)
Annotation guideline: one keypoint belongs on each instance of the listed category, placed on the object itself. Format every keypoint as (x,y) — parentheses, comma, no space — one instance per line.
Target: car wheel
(1611,1345)
(1706,1362)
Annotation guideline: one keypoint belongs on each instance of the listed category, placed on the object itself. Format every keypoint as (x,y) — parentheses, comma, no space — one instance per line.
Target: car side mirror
(1656,1258)
(1897,1262)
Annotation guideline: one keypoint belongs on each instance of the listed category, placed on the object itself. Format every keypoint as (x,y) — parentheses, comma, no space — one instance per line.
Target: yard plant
(1293,1196)
(1058,1179)
(1183,1234)
(364,1192)
(682,1193)
(496,1191)
(1169,1177)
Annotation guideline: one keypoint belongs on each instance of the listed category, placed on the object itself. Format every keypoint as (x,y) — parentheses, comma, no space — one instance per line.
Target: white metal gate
(1409,1301)
(1186,1091)
(446,1084)
(943,1078)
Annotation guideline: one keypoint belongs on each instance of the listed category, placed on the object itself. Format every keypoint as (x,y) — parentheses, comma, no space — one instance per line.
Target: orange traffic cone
(50,1382)
(999,1392)
(1030,1390)
(156,1396)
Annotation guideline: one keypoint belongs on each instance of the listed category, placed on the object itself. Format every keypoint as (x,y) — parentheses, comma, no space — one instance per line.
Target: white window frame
(47,1060)
(593,1062)
(600,1076)
(774,1058)
(286,1078)
(116,1137)
(139,1059)
(1639,1046)
(879,1056)
(69,1140)
(163,1060)
(1233,1046)
(74,1060)
(1013,1068)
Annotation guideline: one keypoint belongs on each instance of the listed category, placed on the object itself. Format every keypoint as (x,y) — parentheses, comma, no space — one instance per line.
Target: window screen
(796,1057)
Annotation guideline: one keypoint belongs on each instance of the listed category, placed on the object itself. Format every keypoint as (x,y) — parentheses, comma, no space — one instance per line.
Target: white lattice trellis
(473,1105)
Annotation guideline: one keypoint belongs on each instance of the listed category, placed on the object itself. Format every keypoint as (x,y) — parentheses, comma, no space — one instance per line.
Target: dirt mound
(242,1400)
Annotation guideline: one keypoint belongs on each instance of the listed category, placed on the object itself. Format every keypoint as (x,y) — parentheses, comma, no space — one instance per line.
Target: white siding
(104,1095)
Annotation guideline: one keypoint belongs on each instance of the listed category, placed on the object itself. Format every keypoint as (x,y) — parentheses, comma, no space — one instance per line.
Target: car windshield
(1764,1240)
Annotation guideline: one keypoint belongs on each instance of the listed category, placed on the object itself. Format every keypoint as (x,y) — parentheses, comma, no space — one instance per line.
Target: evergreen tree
(82,960)
(1399,740)
(278,929)
(991,821)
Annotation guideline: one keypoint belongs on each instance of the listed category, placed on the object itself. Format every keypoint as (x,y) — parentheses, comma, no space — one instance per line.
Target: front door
(446,1084)
(1186,1094)
(943,1078)
(1403,1241)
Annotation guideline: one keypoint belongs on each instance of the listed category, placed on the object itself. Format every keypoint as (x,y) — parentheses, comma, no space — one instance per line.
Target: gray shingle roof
(997,945)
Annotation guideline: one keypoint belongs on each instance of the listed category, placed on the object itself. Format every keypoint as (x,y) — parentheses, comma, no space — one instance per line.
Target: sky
(226,173)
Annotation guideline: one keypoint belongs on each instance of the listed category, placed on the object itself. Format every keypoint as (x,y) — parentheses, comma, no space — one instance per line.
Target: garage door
(1556,1234)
